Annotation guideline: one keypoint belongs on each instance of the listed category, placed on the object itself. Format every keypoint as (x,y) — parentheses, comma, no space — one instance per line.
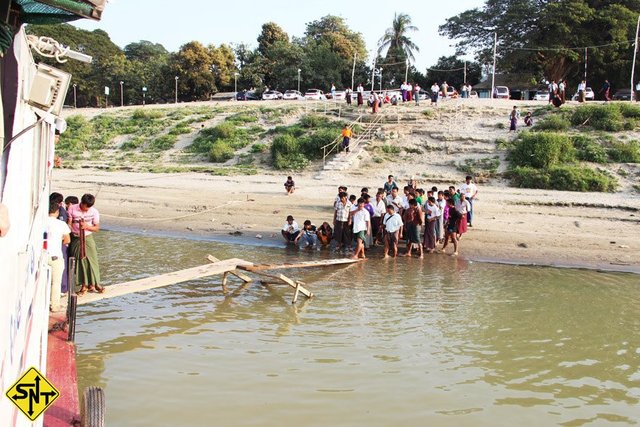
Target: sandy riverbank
(592,230)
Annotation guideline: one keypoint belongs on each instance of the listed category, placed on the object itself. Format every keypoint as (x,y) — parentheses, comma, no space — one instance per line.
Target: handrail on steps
(333,145)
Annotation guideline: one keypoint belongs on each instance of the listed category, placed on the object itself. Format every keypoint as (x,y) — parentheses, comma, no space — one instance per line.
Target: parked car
(293,95)
(589,95)
(622,95)
(340,95)
(247,96)
(315,94)
(271,95)
(473,94)
(501,92)
(542,95)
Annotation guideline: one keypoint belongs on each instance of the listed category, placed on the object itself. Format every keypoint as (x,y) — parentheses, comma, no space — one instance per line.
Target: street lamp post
(121,95)
(176,99)
(380,79)
(144,94)
(75,98)
(235,84)
(299,79)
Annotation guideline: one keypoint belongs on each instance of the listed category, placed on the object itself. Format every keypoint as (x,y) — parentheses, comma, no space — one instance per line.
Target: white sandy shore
(592,230)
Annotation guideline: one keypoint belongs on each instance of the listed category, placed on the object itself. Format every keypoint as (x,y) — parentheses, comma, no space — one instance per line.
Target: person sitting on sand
(392,223)
(307,235)
(290,230)
(361,221)
(324,233)
(451,228)
(290,186)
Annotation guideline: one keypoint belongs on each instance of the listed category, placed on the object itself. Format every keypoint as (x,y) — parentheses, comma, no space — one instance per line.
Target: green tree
(148,68)
(399,48)
(224,66)
(331,36)
(271,34)
(192,65)
(544,38)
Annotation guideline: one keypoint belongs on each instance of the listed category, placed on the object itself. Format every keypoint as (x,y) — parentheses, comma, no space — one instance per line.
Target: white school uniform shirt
(582,86)
(360,219)
(379,208)
(435,88)
(463,207)
(291,228)
(405,202)
(55,230)
(468,189)
(432,211)
(397,202)
(441,204)
(392,223)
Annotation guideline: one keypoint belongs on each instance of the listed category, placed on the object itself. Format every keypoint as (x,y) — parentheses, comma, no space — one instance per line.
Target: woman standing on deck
(85,219)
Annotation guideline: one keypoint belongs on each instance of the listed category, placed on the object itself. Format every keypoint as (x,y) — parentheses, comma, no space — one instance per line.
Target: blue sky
(175,23)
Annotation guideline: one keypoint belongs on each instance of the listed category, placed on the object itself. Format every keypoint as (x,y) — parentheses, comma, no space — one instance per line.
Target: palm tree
(395,39)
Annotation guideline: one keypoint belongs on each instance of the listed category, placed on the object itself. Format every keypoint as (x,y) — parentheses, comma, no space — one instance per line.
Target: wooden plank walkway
(302,264)
(224,267)
(167,279)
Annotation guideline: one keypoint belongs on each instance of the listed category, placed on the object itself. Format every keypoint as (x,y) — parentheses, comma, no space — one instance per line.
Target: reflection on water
(440,341)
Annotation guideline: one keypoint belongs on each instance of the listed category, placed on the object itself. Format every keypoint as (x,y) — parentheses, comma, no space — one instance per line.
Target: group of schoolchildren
(422,218)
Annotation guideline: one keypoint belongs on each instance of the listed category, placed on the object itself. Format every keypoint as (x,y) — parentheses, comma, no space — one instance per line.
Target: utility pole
(585,64)
(176,99)
(493,77)
(373,70)
(406,70)
(353,70)
(635,54)
(121,95)
(464,80)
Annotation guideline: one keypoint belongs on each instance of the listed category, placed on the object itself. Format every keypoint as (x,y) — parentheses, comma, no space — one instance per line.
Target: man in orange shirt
(346,137)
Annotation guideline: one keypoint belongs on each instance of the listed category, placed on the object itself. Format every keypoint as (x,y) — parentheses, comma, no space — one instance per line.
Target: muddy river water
(441,341)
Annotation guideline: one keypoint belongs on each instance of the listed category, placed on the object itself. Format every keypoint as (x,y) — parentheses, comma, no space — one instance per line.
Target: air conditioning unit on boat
(49,88)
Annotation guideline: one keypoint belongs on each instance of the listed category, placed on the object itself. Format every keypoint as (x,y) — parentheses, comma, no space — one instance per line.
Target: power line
(559,49)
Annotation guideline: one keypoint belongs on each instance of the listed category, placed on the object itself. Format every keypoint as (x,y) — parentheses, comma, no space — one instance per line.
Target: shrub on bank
(554,122)
(566,178)
(601,117)
(621,152)
(588,150)
(220,152)
(162,143)
(541,150)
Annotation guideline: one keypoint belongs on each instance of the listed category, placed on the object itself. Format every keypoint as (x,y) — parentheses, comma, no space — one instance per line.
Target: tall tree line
(544,38)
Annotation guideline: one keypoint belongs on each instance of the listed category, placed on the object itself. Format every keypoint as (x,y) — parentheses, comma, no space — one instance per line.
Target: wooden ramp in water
(225,267)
